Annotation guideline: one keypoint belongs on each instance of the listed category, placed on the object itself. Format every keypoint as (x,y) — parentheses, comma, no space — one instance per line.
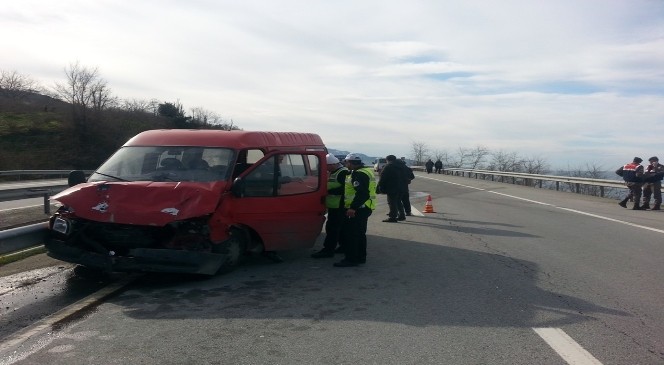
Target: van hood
(142,202)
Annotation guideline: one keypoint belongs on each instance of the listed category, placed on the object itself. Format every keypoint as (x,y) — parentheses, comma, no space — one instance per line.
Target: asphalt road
(497,275)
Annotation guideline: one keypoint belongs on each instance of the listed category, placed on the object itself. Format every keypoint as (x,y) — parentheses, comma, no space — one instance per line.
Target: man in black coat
(404,204)
(391,183)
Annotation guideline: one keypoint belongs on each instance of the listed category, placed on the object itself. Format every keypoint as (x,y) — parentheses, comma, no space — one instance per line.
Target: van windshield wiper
(111,176)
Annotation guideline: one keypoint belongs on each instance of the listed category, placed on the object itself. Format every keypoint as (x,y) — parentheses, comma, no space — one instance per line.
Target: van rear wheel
(233,250)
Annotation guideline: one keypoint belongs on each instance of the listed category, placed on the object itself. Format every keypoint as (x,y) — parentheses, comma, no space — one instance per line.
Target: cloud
(567,80)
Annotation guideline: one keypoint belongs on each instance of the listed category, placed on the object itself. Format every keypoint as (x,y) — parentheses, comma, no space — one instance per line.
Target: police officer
(632,174)
(653,184)
(359,201)
(335,208)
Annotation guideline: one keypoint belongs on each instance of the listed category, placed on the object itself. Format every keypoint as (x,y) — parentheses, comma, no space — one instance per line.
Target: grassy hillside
(38,133)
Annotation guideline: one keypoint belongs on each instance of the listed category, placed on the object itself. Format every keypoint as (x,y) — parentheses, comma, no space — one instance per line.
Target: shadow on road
(403,282)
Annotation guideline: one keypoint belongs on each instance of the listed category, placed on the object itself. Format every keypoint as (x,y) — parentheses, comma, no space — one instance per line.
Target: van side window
(284,174)
(245,159)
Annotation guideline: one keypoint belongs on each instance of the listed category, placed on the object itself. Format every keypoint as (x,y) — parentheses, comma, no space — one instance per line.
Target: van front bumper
(138,259)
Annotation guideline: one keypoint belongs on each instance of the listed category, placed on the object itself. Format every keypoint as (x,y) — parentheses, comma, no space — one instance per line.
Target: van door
(282,198)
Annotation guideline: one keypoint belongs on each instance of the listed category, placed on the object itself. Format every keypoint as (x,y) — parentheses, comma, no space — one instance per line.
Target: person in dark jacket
(391,183)
(429,166)
(438,165)
(404,205)
(632,173)
(653,183)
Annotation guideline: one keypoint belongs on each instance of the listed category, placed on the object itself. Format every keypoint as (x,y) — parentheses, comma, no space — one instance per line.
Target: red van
(193,201)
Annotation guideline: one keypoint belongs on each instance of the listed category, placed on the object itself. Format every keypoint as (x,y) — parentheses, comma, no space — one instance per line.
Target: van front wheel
(233,250)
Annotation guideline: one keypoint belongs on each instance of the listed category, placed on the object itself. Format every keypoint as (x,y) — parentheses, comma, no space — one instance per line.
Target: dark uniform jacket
(391,179)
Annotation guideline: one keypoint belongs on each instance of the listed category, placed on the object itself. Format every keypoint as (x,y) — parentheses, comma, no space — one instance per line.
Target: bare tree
(17,86)
(101,97)
(476,156)
(505,161)
(440,155)
(535,165)
(460,159)
(420,150)
(204,117)
(137,106)
(85,90)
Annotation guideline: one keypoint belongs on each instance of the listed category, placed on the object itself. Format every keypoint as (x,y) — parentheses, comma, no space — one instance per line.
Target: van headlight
(62,225)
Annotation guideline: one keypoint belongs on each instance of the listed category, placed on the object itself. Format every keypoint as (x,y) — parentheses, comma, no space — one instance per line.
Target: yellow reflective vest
(333,199)
(349,191)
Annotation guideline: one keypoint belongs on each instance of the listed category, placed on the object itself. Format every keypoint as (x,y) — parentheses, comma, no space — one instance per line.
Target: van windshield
(167,163)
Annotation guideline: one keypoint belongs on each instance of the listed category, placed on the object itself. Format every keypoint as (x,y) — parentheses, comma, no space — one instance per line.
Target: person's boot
(645,206)
(637,207)
(656,206)
(623,203)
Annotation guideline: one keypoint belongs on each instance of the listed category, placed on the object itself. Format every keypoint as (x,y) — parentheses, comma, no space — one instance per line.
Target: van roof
(221,138)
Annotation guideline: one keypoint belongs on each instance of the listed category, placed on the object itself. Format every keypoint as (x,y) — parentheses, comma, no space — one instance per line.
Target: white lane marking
(21,336)
(566,347)
(555,206)
(28,206)
(416,212)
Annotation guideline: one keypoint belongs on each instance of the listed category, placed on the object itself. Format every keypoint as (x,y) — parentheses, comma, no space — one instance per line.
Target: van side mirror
(76,177)
(237,188)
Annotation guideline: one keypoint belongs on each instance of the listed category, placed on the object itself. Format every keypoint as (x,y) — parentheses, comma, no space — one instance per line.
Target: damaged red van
(192,201)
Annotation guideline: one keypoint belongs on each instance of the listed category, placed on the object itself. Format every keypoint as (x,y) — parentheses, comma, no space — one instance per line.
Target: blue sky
(575,82)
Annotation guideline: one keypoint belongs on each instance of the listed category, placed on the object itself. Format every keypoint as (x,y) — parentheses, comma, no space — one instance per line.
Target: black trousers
(394,202)
(405,202)
(355,236)
(333,226)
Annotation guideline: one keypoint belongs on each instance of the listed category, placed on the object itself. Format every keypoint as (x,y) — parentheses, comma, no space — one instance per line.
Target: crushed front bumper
(139,259)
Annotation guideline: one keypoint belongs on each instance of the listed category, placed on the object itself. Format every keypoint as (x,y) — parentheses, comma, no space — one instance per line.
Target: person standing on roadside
(335,208)
(359,201)
(438,165)
(404,204)
(632,173)
(429,166)
(653,184)
(391,183)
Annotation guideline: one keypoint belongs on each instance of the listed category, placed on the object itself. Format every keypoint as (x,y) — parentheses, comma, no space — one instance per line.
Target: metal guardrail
(538,179)
(15,239)
(25,189)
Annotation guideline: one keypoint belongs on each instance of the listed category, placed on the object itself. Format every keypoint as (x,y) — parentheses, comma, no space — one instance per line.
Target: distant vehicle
(192,201)
(379,164)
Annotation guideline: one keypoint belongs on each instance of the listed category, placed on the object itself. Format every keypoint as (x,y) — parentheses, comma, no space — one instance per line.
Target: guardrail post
(47,204)
(601,191)
(578,187)
(557,185)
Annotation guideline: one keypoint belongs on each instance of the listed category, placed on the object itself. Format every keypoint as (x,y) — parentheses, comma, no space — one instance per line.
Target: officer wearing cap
(335,208)
(359,201)
(632,174)
(653,184)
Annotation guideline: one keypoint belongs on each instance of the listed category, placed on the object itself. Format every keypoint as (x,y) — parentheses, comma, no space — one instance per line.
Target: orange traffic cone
(428,207)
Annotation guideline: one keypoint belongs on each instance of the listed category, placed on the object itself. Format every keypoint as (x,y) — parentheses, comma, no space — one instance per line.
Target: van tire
(233,250)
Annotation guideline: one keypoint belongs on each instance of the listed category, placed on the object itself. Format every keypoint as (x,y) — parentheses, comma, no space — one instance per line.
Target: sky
(573,82)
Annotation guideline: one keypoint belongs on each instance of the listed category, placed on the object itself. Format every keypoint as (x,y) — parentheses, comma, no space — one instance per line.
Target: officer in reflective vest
(335,208)
(359,201)
(632,173)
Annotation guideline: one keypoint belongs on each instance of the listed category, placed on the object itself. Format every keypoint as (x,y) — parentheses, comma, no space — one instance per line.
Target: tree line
(89,94)
(482,158)
(82,114)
